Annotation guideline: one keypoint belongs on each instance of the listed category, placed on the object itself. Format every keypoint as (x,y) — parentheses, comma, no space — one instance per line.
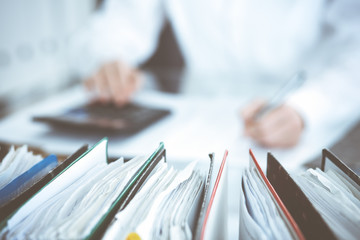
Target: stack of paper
(262,213)
(15,163)
(19,170)
(144,197)
(161,208)
(335,198)
(264,219)
(318,204)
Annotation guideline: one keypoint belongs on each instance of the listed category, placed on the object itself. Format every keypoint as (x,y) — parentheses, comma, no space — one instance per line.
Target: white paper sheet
(79,168)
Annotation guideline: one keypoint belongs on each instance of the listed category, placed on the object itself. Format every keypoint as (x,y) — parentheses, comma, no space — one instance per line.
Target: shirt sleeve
(125,30)
(330,99)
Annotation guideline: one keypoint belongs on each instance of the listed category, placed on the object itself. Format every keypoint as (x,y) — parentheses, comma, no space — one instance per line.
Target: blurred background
(35,63)
(33,39)
(34,58)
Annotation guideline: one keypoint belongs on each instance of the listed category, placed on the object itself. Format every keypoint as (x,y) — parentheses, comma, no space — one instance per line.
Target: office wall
(33,38)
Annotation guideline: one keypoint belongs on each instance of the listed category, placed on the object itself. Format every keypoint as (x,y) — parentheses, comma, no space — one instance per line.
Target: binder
(310,221)
(86,158)
(331,161)
(204,199)
(247,218)
(129,191)
(9,207)
(216,206)
(27,179)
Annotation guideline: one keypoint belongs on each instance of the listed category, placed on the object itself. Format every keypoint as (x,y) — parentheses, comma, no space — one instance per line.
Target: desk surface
(196,127)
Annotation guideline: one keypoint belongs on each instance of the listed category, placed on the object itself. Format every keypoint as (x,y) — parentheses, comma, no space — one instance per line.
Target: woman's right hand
(114,82)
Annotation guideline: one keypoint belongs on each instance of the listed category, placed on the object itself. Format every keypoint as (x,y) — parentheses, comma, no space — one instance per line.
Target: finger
(267,124)
(91,91)
(282,137)
(114,82)
(135,82)
(125,76)
(89,84)
(130,85)
(249,111)
(101,87)
(258,129)
(280,128)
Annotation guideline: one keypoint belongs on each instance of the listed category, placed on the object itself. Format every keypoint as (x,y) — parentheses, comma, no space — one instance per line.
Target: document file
(24,174)
(262,213)
(323,202)
(144,197)
(336,197)
(28,178)
(217,206)
(15,163)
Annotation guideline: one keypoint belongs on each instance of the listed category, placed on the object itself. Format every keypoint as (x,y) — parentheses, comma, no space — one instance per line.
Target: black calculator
(128,119)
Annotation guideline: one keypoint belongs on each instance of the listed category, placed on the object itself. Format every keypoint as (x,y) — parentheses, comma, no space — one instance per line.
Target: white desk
(196,127)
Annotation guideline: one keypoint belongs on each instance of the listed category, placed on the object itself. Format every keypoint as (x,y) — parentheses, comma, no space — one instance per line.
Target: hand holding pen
(273,123)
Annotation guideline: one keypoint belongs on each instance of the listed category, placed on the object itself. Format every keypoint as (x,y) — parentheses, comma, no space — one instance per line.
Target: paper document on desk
(24,186)
(161,207)
(46,203)
(15,163)
(335,196)
(324,203)
(262,213)
(27,179)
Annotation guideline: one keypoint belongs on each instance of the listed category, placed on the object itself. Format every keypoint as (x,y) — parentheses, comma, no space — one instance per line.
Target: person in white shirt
(229,42)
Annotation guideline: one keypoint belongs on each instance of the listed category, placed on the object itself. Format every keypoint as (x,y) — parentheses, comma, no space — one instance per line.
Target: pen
(294,82)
